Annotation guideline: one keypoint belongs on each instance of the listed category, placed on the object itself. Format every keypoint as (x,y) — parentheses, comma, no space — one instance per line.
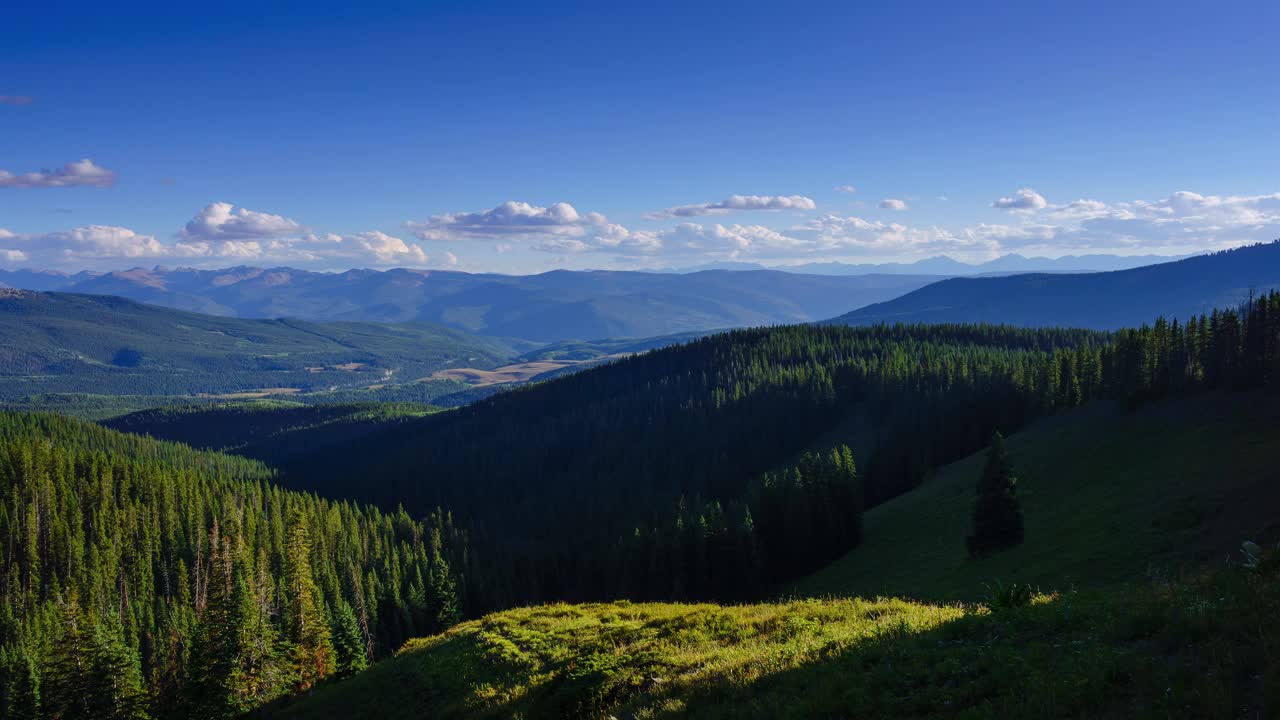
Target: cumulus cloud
(893,204)
(16,99)
(1025,200)
(737,203)
(840,234)
(846,189)
(722,241)
(90,241)
(80,173)
(108,246)
(223,221)
(1183,222)
(374,246)
(510,219)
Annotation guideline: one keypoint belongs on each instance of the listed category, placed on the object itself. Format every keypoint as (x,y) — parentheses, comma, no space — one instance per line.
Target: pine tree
(22,691)
(442,598)
(997,515)
(115,678)
(312,651)
(442,591)
(67,688)
(348,640)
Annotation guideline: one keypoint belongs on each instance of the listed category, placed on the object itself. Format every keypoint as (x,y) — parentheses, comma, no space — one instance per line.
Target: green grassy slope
(1107,495)
(1202,648)
(1117,503)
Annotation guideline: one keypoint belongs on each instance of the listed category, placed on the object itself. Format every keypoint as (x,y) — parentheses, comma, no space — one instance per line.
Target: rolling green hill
(55,342)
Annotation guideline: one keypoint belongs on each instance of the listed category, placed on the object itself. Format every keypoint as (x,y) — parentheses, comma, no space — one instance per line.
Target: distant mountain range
(1104,301)
(551,307)
(1004,265)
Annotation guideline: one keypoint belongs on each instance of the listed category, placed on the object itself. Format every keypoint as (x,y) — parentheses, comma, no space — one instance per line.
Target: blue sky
(340,135)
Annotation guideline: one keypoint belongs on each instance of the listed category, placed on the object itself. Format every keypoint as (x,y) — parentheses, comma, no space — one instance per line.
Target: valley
(609,361)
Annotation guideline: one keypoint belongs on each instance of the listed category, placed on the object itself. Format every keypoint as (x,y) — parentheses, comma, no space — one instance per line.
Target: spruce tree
(348,640)
(442,597)
(115,678)
(22,690)
(67,686)
(997,515)
(312,645)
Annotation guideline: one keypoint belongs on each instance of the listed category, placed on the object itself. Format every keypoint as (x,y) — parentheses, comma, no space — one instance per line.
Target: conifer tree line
(625,481)
(143,579)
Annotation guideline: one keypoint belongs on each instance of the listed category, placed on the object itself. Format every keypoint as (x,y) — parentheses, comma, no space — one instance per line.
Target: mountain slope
(57,342)
(1108,495)
(554,306)
(266,430)
(1103,301)
(1196,648)
(1005,264)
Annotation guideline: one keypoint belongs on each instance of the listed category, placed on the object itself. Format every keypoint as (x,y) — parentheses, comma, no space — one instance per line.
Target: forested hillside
(1105,301)
(683,468)
(267,430)
(58,342)
(548,307)
(144,578)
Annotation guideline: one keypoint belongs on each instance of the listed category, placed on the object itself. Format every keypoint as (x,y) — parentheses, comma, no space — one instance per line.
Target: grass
(1205,647)
(1106,611)
(1107,495)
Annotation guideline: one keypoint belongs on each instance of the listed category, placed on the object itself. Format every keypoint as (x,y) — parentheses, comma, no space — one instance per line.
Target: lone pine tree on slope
(997,516)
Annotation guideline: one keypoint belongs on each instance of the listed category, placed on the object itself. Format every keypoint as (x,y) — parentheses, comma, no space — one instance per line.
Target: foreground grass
(1109,496)
(1206,647)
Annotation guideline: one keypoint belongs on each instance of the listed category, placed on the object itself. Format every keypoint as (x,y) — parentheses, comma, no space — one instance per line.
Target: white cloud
(222,221)
(91,241)
(375,246)
(854,235)
(737,203)
(846,189)
(108,246)
(1079,210)
(80,173)
(893,204)
(1025,200)
(510,219)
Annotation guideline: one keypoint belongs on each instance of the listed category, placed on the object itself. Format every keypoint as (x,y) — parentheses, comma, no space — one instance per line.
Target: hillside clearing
(1196,649)
(1108,495)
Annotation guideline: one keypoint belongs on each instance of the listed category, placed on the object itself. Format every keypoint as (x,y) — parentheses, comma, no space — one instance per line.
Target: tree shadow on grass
(1194,649)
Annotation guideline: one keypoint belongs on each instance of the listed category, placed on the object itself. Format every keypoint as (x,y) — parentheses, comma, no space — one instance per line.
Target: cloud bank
(222,233)
(737,203)
(83,173)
